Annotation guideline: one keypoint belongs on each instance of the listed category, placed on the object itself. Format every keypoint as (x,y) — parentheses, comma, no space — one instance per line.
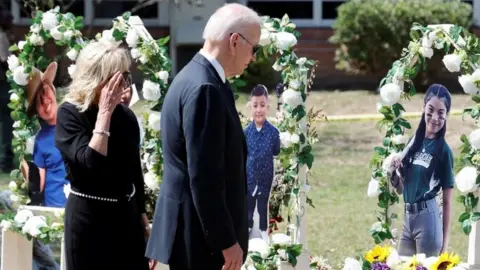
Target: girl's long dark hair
(441,92)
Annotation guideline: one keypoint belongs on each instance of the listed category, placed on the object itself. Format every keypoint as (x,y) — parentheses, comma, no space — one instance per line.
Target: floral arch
(64,29)
(461,50)
(295,160)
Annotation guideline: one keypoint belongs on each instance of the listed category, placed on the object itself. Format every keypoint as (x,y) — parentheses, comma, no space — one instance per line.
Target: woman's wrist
(103,122)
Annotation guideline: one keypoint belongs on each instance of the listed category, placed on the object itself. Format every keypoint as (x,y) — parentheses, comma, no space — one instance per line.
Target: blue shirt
(47,156)
(263,145)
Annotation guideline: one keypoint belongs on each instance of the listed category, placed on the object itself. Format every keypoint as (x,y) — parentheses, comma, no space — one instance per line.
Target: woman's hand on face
(111,94)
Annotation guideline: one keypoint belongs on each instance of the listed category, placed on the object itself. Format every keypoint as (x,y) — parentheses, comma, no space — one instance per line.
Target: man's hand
(233,257)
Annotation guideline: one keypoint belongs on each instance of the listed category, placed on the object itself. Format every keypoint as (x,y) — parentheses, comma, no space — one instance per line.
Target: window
(76,7)
(155,14)
(329,9)
(294,9)
(6,5)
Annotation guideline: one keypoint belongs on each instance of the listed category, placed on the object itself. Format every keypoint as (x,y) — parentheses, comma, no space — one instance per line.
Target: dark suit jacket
(202,205)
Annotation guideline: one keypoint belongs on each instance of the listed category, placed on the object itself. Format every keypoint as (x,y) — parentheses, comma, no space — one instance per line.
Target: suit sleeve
(72,139)
(204,130)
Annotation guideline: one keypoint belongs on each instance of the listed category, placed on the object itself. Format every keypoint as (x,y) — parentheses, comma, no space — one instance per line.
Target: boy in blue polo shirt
(263,141)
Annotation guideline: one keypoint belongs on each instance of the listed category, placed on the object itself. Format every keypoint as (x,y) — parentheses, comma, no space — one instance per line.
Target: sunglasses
(127,79)
(255,48)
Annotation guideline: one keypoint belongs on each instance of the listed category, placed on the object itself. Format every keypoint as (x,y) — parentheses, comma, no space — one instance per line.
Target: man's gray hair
(231,18)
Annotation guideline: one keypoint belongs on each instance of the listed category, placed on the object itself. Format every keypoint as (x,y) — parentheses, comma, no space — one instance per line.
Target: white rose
(13,63)
(260,246)
(68,34)
(393,259)
(151,91)
(295,138)
(22,216)
(390,94)
(281,239)
(66,190)
(294,84)
(468,82)
(284,40)
(150,160)
(282,253)
(13,186)
(71,70)
(30,144)
(135,53)
(19,76)
(301,61)
(154,120)
(474,139)
(292,98)
(466,179)
(352,264)
(277,67)
(426,52)
(57,225)
(285,139)
(36,40)
(14,97)
(33,225)
(107,38)
(14,198)
(163,75)
(143,58)
(373,188)
(57,35)
(72,54)
(387,163)
(151,180)
(6,224)
(49,20)
(452,62)
(16,124)
(35,28)
(265,38)
(132,38)
(428,40)
(400,139)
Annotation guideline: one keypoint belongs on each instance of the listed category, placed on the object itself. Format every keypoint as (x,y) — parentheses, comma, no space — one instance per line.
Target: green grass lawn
(339,224)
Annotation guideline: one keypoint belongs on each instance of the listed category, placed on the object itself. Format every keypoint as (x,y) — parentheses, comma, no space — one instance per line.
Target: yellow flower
(378,254)
(412,263)
(446,262)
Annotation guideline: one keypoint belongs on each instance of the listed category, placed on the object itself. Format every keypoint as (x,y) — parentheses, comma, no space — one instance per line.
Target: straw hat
(35,83)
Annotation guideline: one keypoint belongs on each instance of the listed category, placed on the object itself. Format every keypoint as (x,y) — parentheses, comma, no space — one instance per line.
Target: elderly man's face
(244,47)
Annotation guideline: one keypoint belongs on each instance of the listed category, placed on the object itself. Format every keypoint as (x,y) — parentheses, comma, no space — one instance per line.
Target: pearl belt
(129,196)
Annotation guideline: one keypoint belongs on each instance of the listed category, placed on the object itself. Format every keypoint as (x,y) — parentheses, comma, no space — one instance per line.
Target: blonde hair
(96,63)
(230,18)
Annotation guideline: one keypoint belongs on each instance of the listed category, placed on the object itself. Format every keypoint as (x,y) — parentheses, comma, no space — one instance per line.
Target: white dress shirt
(215,63)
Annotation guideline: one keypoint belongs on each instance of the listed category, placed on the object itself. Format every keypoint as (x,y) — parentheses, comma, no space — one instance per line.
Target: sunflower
(445,262)
(377,254)
(413,263)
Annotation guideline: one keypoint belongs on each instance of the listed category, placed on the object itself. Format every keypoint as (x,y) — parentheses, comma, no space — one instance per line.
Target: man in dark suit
(201,214)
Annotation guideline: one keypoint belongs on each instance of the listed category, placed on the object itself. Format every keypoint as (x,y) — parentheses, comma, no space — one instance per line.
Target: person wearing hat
(42,103)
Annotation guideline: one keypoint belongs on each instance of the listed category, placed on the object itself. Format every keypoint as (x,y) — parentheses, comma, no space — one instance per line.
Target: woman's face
(435,116)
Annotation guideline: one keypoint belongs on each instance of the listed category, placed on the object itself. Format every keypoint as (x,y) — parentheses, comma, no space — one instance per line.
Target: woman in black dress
(105,221)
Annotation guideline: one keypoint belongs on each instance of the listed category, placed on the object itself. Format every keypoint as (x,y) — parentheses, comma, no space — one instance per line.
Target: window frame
(89,19)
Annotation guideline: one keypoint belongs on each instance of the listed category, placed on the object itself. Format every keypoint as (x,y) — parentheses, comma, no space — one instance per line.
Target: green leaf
(13,48)
(461,199)
(163,41)
(255,256)
(381,151)
(126,15)
(62,29)
(306,149)
(476,216)
(78,23)
(405,124)
(463,217)
(464,138)
(467,226)
(476,99)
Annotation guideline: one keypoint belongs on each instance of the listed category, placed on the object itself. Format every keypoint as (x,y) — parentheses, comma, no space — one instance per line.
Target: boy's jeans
(261,201)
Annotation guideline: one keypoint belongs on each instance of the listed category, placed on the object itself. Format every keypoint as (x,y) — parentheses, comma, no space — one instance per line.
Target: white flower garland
(64,29)
(278,36)
(463,59)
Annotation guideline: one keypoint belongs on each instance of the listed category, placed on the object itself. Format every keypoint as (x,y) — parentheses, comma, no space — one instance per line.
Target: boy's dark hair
(259,90)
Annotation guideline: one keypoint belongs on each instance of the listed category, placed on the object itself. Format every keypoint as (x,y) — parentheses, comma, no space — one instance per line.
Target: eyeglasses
(255,48)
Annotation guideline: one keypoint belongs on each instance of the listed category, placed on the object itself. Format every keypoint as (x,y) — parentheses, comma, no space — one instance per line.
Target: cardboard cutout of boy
(263,141)
(47,173)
